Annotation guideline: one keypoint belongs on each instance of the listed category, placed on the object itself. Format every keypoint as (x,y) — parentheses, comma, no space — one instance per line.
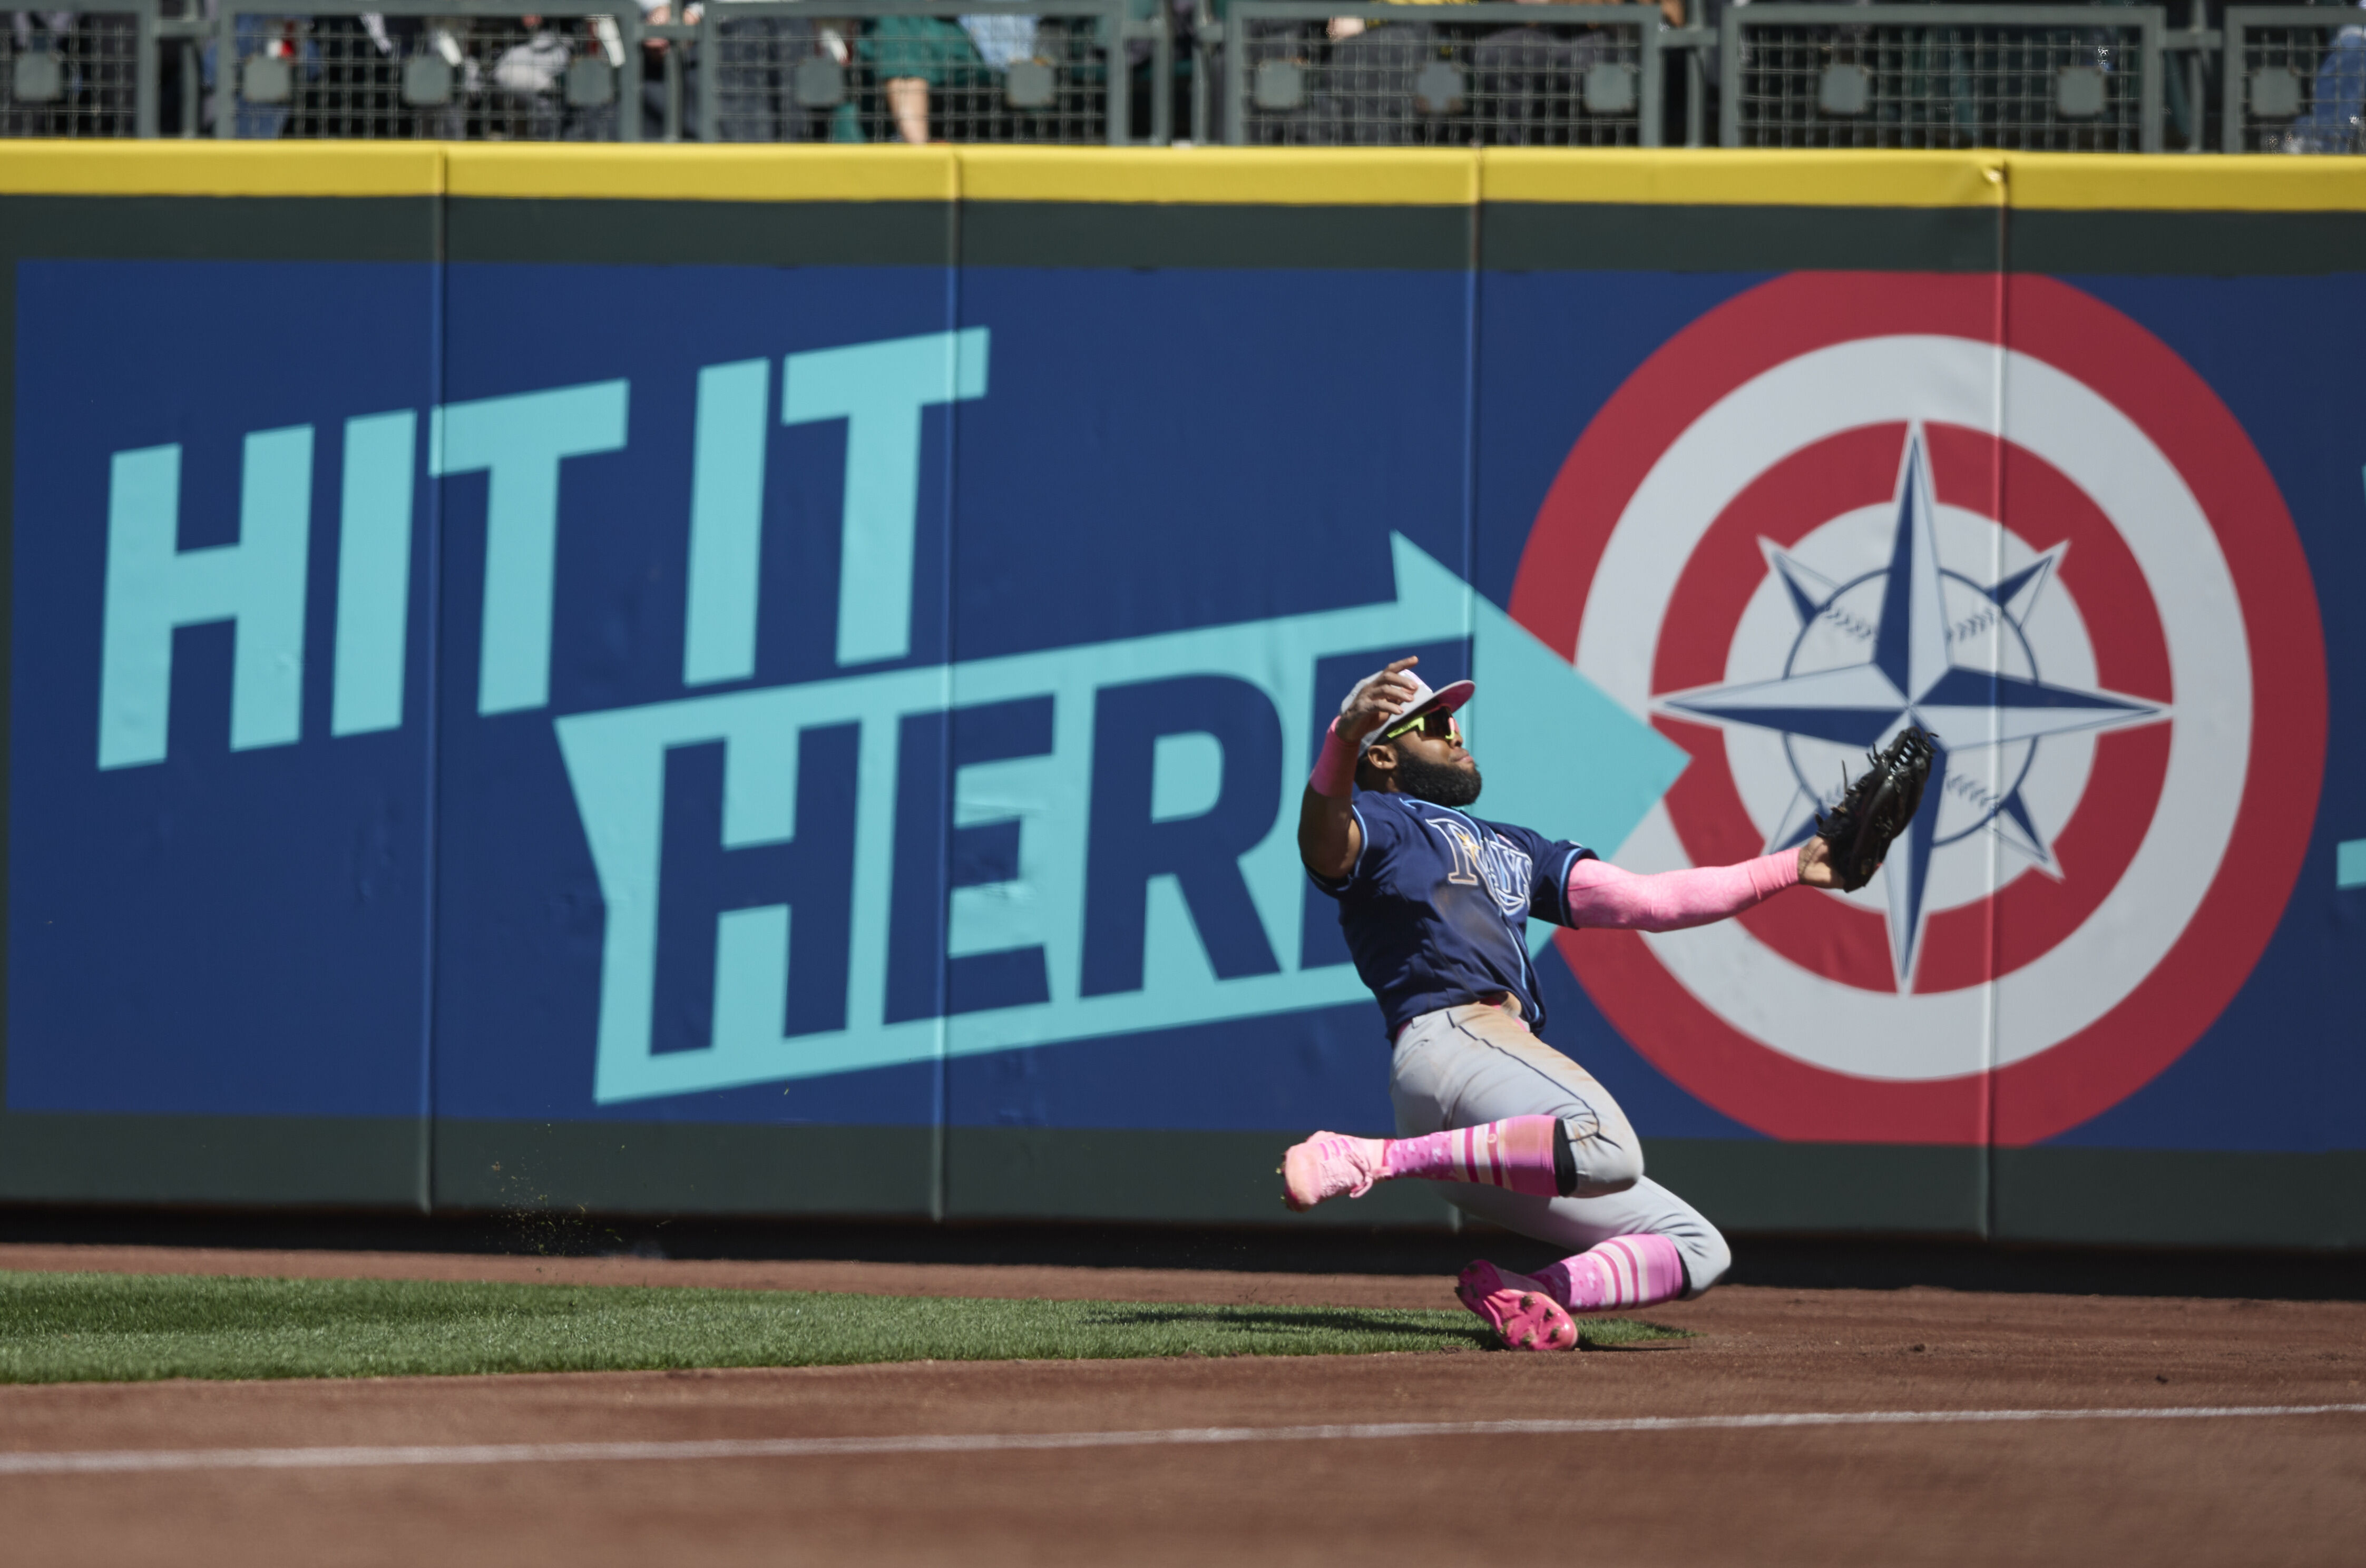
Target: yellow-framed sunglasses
(1436,725)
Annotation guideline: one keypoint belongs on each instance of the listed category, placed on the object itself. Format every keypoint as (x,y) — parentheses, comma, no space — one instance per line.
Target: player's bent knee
(1707,1258)
(1604,1169)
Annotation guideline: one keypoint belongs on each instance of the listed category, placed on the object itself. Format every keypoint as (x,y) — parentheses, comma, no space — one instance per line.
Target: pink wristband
(1334,770)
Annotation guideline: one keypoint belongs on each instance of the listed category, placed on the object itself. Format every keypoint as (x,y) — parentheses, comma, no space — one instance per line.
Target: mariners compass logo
(1916,642)
(1837,505)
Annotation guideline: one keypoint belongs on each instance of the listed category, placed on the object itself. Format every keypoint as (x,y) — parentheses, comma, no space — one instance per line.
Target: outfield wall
(773,682)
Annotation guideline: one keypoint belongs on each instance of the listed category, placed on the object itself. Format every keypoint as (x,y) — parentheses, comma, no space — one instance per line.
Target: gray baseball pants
(1462,1067)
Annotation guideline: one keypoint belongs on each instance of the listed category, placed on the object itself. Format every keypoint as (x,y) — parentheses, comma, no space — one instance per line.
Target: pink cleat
(1525,1317)
(1327,1165)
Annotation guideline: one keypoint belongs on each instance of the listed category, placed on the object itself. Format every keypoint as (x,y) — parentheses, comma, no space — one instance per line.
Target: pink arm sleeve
(1334,769)
(1604,895)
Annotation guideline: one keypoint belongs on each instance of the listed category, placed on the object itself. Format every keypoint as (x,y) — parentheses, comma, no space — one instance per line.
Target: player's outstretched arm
(1605,896)
(1328,838)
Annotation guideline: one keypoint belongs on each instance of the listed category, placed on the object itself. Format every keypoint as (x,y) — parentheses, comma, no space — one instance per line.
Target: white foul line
(117,1460)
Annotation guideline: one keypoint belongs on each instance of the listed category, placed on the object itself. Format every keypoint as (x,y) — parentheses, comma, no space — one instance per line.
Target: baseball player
(1435,903)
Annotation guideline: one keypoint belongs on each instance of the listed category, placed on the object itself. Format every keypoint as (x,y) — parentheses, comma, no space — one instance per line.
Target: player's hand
(1816,868)
(1377,699)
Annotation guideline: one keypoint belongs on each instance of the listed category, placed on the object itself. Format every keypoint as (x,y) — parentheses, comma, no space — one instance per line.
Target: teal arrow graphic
(1562,758)
(1558,754)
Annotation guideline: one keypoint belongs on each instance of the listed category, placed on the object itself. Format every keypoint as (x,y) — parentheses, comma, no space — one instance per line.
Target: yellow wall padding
(1306,176)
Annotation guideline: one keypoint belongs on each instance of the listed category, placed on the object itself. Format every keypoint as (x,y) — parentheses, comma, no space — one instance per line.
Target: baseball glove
(1877,806)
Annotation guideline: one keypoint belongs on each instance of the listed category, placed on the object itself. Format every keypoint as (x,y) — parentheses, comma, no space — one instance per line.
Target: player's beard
(1440,783)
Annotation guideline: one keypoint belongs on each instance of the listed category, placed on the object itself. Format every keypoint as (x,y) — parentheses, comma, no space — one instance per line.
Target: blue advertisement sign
(880,696)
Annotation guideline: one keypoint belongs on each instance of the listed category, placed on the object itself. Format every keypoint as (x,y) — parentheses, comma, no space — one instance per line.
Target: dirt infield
(2284,1488)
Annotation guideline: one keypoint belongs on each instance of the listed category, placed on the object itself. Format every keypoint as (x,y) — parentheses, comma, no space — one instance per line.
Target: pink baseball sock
(1516,1152)
(1625,1271)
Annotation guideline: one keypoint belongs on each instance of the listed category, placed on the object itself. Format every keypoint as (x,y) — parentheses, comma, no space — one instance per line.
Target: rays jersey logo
(1507,872)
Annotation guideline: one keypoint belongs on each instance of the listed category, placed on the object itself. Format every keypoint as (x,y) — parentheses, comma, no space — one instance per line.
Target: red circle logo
(1841,504)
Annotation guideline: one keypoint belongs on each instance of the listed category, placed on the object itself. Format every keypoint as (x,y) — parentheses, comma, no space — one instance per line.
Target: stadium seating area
(2104,77)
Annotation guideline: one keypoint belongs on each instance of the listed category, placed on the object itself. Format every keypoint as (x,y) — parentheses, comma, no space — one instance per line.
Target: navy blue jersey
(1437,906)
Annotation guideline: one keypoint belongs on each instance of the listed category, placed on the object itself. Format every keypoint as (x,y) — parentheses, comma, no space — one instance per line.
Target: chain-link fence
(2063,78)
(1043,71)
(453,70)
(2059,77)
(1301,74)
(2294,80)
(77,70)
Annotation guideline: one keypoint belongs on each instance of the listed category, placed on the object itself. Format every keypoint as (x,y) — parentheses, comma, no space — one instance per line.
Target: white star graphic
(1914,677)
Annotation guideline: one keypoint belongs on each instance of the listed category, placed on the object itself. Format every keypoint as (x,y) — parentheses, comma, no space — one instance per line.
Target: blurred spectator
(1527,77)
(753,72)
(1001,40)
(1531,75)
(274,38)
(92,56)
(532,75)
(353,84)
(1366,97)
(659,13)
(2336,120)
(912,55)
(533,67)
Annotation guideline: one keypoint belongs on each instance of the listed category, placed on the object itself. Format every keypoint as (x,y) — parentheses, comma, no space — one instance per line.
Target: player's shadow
(1297,1320)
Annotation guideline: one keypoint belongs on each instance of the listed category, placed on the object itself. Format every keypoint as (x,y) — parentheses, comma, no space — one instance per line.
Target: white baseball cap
(1456,694)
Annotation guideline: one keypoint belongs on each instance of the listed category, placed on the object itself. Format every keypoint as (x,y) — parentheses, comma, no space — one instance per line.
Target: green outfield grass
(84,1327)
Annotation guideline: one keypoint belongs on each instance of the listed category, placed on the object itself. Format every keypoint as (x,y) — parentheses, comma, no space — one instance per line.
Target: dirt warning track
(1908,1427)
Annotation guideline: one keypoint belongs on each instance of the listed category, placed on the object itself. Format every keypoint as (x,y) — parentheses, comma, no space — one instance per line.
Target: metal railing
(2065,78)
(2083,77)
(1053,71)
(2294,80)
(1038,70)
(449,70)
(81,68)
(1484,74)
